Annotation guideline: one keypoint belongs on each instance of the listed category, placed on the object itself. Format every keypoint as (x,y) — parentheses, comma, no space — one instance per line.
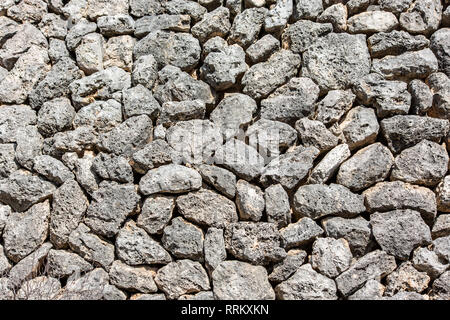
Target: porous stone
(130,278)
(174,111)
(329,165)
(249,201)
(117,24)
(39,288)
(406,278)
(183,239)
(214,248)
(62,264)
(335,14)
(394,43)
(443,195)
(428,261)
(422,16)
(300,35)
(214,23)
(313,133)
(156,213)
(372,22)
(277,205)
(252,282)
(247,26)
(54,116)
(111,167)
(263,48)
(221,179)
(421,97)
(300,233)
(153,155)
(283,270)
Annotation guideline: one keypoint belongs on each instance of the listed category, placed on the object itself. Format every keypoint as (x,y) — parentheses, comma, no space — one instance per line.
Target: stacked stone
(224,149)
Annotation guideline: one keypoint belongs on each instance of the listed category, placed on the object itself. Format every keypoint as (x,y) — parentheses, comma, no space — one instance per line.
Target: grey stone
(183,239)
(5,211)
(290,168)
(214,248)
(399,232)
(26,231)
(409,65)
(443,195)
(300,233)
(102,116)
(206,207)
(428,261)
(395,6)
(5,266)
(249,201)
(291,101)
(372,290)
(300,35)
(54,116)
(406,278)
(77,31)
(28,146)
(13,118)
(201,296)
(52,169)
(7,160)
(145,71)
(262,49)
(356,6)
(117,24)
(336,15)
(174,111)
(21,190)
(307,284)
(442,248)
(374,265)
(329,165)
(53,26)
(135,247)
(146,296)
(242,159)
(119,52)
(441,227)
(360,127)
(103,85)
(171,178)
(91,247)
(111,167)
(441,290)
(214,23)
(89,53)
(402,132)
(236,280)
(181,277)
(156,213)
(440,88)
(68,207)
(344,57)
(440,46)
(426,163)
(247,26)
(111,204)
(153,155)
(82,169)
(139,8)
(387,196)
(372,22)
(335,104)
(138,279)
(39,288)
(129,136)
(221,179)
(278,16)
(193,9)
(307,9)
(331,256)
(394,43)
(313,133)
(319,200)
(168,22)
(98,8)
(422,16)
(62,264)
(356,231)
(366,167)
(421,97)
(257,243)
(176,85)
(277,70)
(283,270)
(277,205)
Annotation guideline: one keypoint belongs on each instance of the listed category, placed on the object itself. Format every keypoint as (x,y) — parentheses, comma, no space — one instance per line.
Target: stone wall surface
(224,149)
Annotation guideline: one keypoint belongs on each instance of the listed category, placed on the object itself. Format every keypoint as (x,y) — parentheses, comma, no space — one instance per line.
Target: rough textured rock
(251,280)
(183,239)
(443,195)
(331,257)
(277,205)
(138,279)
(249,201)
(283,270)
(62,264)
(406,278)
(300,233)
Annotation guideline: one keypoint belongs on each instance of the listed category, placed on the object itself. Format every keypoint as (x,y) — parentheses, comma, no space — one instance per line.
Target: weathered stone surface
(278,16)
(5,211)
(423,16)
(409,65)
(89,53)
(290,168)
(153,155)
(443,195)
(62,264)
(21,190)
(300,35)
(168,22)
(281,66)
(372,290)
(111,167)
(68,207)
(236,280)
(52,169)
(319,200)
(372,22)
(395,43)
(173,111)
(54,116)
(263,48)
(145,71)
(402,132)
(247,26)
(39,288)
(399,232)
(183,239)
(441,227)
(156,213)
(329,165)
(331,257)
(214,23)
(102,116)
(307,284)
(421,97)
(171,178)
(7,160)
(336,14)
(291,101)
(356,231)
(13,118)
(406,278)
(24,232)
(429,262)
(366,167)
(138,279)
(206,207)
(300,233)
(249,201)
(387,196)
(221,179)
(426,163)
(314,134)
(214,248)
(257,243)
(181,277)
(441,246)
(335,61)
(374,265)
(111,204)
(134,246)
(117,24)
(283,270)
(277,205)
(233,113)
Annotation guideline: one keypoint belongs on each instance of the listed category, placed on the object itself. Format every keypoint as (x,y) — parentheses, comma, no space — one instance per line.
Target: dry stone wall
(224,149)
